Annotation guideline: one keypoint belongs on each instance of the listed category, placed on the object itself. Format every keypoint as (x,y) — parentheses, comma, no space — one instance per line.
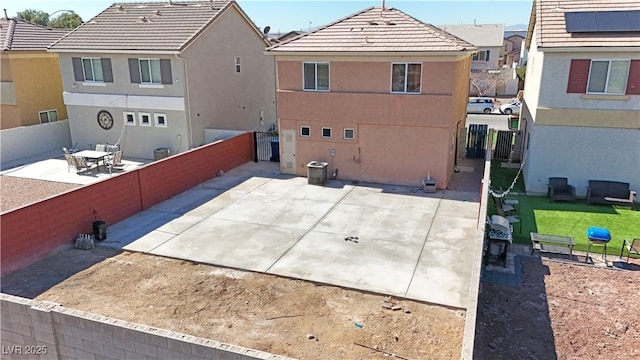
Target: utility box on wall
(317,173)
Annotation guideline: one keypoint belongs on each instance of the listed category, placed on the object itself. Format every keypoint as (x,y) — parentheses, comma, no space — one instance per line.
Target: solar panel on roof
(602,21)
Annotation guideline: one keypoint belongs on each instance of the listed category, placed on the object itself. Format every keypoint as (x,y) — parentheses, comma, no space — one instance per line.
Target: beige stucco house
(378,95)
(581,108)
(157,74)
(31,87)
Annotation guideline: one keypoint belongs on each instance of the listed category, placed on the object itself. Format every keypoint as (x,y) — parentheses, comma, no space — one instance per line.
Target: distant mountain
(516,27)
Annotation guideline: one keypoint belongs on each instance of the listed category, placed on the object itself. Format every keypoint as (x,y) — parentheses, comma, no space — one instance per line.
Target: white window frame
(237,63)
(344,134)
(476,57)
(606,83)
(156,116)
(48,116)
(308,128)
(93,71)
(315,88)
(140,115)
(142,82)
(133,115)
(406,68)
(330,133)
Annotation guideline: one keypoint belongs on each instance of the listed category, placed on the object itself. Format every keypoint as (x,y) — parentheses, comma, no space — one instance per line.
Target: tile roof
(18,34)
(483,35)
(375,30)
(144,26)
(551,28)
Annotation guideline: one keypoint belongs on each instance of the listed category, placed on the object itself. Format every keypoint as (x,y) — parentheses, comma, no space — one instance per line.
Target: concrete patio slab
(370,264)
(241,245)
(410,244)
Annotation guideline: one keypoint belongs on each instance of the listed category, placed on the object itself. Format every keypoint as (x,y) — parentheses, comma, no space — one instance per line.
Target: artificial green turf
(539,215)
(501,178)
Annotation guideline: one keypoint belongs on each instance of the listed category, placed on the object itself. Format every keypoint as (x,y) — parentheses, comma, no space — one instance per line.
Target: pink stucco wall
(399,138)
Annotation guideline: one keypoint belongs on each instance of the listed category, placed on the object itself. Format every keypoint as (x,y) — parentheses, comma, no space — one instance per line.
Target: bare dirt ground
(16,192)
(257,311)
(562,311)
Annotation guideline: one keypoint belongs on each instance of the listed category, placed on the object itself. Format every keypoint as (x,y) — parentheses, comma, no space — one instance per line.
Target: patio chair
(66,151)
(82,163)
(71,161)
(114,162)
(560,190)
(632,247)
(101,147)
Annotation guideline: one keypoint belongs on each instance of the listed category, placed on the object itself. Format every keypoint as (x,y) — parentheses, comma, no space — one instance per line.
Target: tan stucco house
(378,95)
(31,86)
(581,108)
(157,74)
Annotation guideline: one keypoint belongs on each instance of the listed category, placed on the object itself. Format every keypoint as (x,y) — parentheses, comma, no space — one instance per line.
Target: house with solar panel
(581,110)
(30,76)
(377,96)
(160,74)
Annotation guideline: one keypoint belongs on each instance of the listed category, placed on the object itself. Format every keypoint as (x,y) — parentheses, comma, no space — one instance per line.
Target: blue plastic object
(598,234)
(358,325)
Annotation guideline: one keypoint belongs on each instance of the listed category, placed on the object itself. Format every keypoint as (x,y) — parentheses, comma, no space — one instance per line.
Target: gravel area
(18,191)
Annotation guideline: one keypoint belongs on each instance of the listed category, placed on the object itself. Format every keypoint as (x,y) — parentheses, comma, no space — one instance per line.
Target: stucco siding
(135,141)
(582,154)
(399,137)
(556,72)
(219,97)
(532,85)
(36,87)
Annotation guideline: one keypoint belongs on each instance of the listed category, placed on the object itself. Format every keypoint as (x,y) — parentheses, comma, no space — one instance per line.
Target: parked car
(510,108)
(480,105)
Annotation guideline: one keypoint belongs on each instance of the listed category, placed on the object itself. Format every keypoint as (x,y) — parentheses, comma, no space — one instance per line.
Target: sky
(286,15)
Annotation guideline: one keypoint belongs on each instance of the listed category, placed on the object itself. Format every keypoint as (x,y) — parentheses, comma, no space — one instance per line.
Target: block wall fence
(31,232)
(32,329)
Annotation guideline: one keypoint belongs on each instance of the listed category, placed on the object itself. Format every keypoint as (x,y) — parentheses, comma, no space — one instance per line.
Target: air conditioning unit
(317,173)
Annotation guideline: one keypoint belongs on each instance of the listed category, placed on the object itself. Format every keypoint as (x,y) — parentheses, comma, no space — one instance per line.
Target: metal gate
(504,145)
(266,146)
(477,141)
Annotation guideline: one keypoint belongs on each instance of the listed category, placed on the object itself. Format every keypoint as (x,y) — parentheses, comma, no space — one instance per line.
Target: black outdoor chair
(560,190)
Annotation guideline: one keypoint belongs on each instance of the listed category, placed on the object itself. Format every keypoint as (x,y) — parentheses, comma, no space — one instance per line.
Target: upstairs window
(608,76)
(405,78)
(237,64)
(150,71)
(316,76)
(481,55)
(92,70)
(305,131)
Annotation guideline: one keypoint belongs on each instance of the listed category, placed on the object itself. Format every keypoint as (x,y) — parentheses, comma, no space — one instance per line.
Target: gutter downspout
(187,102)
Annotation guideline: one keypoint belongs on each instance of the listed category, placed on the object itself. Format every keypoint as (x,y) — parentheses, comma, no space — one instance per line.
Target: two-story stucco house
(30,76)
(378,95)
(581,108)
(157,74)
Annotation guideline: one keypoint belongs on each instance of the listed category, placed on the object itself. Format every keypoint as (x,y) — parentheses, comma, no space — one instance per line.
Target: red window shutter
(633,82)
(578,76)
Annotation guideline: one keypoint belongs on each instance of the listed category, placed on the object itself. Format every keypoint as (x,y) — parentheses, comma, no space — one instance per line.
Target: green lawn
(501,178)
(540,215)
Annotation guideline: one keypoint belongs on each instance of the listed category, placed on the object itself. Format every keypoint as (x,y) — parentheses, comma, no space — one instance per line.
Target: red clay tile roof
(18,34)
(375,30)
(146,26)
(551,27)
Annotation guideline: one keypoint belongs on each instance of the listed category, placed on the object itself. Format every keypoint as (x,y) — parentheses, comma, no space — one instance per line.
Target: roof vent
(372,22)
(389,22)
(157,12)
(120,8)
(144,19)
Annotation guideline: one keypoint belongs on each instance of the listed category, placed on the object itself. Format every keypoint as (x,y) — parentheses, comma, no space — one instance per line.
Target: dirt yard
(16,192)
(562,311)
(258,311)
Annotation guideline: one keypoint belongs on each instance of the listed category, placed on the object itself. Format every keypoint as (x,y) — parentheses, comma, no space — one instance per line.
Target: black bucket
(100,230)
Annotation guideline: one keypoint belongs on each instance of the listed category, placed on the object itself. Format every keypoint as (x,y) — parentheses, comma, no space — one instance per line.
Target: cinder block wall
(32,232)
(60,333)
